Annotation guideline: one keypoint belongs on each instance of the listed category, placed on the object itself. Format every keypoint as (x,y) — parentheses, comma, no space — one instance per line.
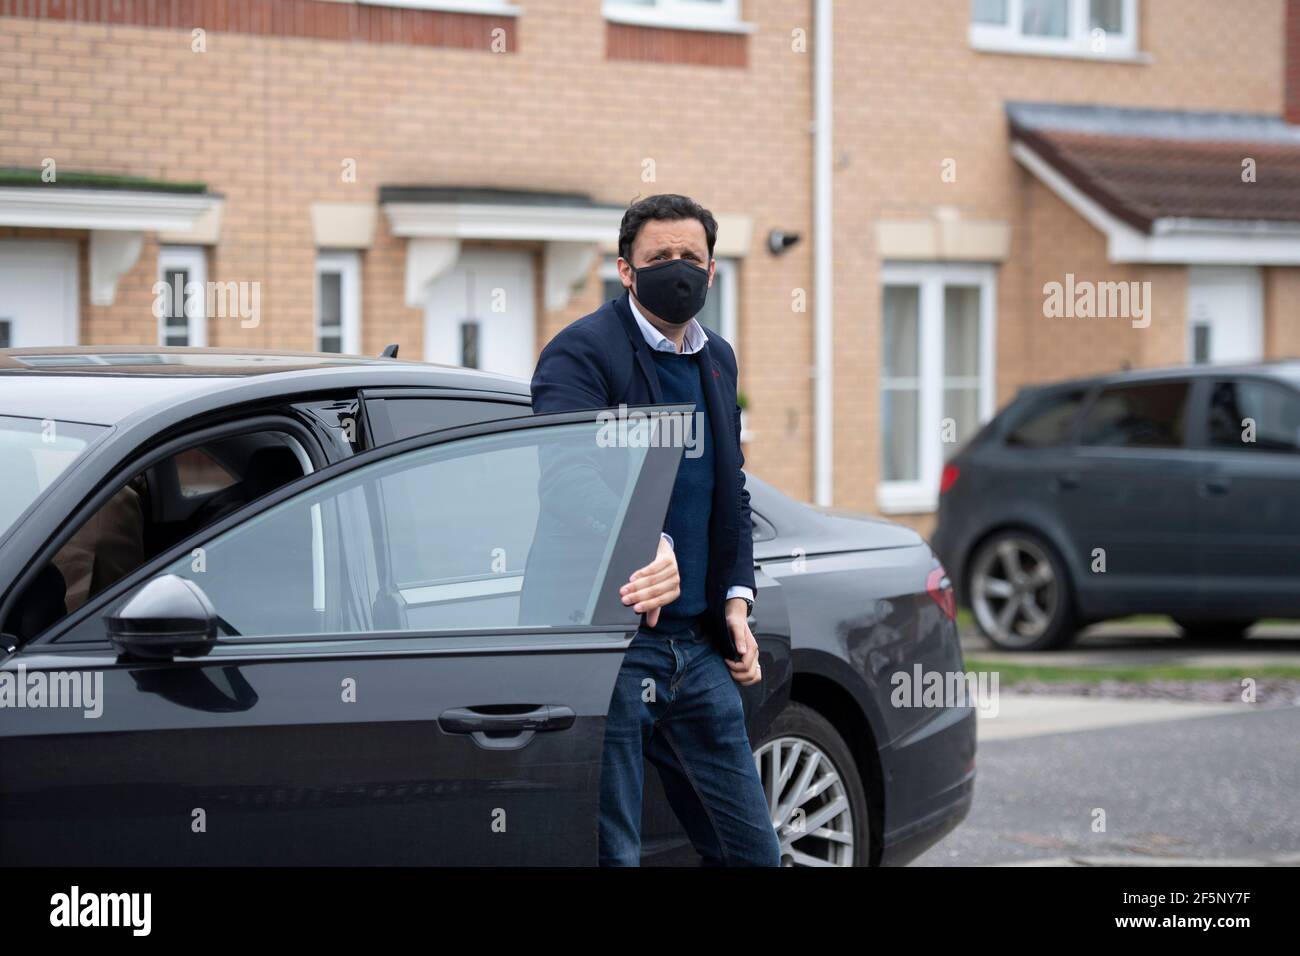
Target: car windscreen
(34,452)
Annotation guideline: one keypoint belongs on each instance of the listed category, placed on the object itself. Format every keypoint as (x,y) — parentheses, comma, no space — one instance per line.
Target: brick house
(449,175)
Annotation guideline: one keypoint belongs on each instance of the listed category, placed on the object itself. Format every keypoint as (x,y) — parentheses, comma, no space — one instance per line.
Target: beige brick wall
(910,94)
(268,122)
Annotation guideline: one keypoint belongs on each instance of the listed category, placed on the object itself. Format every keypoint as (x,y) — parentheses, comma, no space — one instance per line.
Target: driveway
(1171,782)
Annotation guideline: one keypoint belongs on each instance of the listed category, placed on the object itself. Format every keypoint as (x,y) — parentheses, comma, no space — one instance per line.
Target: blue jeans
(676,705)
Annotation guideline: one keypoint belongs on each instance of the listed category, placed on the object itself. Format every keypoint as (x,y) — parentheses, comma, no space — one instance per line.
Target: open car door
(405,658)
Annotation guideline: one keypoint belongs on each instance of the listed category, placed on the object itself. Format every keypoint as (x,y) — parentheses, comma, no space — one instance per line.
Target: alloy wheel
(1014,592)
(807,801)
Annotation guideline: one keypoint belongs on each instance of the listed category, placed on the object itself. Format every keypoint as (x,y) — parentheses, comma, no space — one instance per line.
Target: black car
(1173,491)
(271,602)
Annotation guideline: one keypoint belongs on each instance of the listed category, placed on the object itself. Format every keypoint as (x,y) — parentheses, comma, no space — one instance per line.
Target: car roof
(107,384)
(1286,369)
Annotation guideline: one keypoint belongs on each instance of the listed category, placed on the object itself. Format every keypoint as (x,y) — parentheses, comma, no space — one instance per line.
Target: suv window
(156,508)
(1138,416)
(1048,423)
(1252,415)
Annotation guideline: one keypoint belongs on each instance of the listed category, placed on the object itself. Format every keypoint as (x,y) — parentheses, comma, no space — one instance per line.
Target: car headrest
(268,469)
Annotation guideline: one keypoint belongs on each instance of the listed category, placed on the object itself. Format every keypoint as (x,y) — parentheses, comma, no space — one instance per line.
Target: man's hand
(655,585)
(746,670)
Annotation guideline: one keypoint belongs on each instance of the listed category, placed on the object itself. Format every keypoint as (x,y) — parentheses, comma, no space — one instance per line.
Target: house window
(682,14)
(180,296)
(492,7)
(338,302)
(936,378)
(1088,28)
(719,313)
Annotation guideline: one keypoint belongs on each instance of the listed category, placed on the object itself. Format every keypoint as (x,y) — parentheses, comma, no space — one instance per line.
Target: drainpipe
(823,258)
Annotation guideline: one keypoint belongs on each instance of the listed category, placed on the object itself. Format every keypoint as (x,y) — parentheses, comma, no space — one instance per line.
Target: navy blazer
(602,361)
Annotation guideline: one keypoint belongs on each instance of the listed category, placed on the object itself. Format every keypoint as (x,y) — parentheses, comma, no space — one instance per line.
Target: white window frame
(347,264)
(922,494)
(1008,38)
(485,7)
(722,16)
(724,284)
(194,260)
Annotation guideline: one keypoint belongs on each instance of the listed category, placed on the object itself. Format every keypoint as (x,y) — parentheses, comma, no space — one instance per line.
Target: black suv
(1173,491)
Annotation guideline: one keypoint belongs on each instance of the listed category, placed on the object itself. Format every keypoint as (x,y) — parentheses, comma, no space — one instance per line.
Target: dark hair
(666,206)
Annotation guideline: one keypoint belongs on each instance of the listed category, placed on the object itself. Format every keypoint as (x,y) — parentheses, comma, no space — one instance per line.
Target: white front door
(480,314)
(1225,314)
(38,293)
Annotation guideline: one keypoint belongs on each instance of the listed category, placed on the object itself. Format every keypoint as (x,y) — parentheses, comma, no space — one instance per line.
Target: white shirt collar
(693,342)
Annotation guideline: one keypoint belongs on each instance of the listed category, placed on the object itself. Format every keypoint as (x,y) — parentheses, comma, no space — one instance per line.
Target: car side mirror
(168,617)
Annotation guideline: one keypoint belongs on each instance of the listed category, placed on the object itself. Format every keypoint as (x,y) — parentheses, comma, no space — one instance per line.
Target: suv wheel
(1020,593)
(814,794)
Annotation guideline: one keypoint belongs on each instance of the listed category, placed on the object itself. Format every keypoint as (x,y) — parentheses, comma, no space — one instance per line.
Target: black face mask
(674,290)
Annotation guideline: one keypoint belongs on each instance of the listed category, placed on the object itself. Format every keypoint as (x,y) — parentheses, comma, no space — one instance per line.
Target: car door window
(487,532)
(1048,423)
(1137,416)
(1251,415)
(150,512)
(392,419)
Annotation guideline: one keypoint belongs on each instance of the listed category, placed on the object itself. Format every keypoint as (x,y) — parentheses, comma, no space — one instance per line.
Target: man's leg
(627,730)
(702,752)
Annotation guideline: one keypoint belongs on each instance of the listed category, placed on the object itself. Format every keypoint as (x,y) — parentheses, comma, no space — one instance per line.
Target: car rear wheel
(814,793)
(1209,632)
(1020,593)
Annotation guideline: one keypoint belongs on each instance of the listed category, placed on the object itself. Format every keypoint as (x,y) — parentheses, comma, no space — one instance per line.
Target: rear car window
(1138,416)
(1048,423)
(1251,415)
(33,452)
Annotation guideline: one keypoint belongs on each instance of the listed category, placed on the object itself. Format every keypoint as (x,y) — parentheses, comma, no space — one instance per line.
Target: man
(677,700)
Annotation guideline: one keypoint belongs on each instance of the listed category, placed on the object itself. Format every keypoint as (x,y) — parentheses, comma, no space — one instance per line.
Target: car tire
(1020,567)
(1213,632)
(802,734)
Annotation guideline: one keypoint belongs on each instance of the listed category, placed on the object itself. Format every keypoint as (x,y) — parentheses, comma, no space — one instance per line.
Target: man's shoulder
(603,325)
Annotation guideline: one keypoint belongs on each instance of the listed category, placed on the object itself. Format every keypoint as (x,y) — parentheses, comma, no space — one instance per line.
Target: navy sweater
(691,504)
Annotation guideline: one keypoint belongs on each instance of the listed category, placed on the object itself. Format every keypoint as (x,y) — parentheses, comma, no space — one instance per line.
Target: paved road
(1190,784)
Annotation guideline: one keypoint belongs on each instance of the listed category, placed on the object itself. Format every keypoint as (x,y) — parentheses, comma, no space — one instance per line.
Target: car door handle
(1215,487)
(1067,481)
(496,729)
